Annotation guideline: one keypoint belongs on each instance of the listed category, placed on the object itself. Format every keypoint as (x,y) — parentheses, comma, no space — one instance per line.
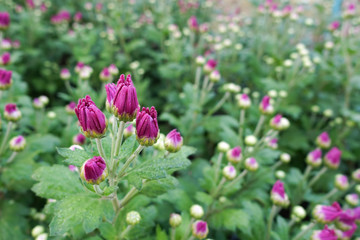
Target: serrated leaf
(56,182)
(127,148)
(231,219)
(74,157)
(85,209)
(157,187)
(203,198)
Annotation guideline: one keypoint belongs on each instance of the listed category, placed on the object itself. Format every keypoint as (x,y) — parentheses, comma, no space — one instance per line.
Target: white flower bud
(329,45)
(288,63)
(232,88)
(283,94)
(315,108)
(200,60)
(133,218)
(285,157)
(272,93)
(196,211)
(36,231)
(229,172)
(43,236)
(328,113)
(51,115)
(280,174)
(175,220)
(223,146)
(298,213)
(250,140)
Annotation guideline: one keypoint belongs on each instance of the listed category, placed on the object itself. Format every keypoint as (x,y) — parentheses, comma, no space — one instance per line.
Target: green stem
(100,148)
(270,221)
(126,231)
(188,229)
(238,178)
(217,166)
(133,191)
(259,125)
(197,78)
(130,159)
(98,190)
(219,104)
(241,124)
(172,233)
(291,223)
(317,176)
(11,158)
(68,86)
(307,172)
(5,139)
(217,190)
(204,87)
(274,167)
(303,232)
(119,138)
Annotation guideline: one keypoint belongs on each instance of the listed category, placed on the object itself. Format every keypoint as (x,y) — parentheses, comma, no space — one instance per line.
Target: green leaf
(160,234)
(231,219)
(203,198)
(282,228)
(157,187)
(13,223)
(85,209)
(56,182)
(74,157)
(127,148)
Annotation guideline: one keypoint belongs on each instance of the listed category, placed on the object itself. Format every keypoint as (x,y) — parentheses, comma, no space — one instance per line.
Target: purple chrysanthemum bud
(94,170)
(79,139)
(79,66)
(6,44)
(4,20)
(278,195)
(122,99)
(275,122)
(251,164)
(175,220)
(105,75)
(243,101)
(356,175)
(273,143)
(15,44)
(229,172)
(133,218)
(210,66)
(85,72)
(234,155)
(5,79)
(196,211)
(17,144)
(326,214)
(341,182)
(352,199)
(173,141)
(345,220)
(70,108)
(129,130)
(314,158)
(215,76)
(113,69)
(265,107)
(200,60)
(325,234)
(12,113)
(332,158)
(200,229)
(65,74)
(147,129)
(73,168)
(193,24)
(5,58)
(73,147)
(77,16)
(323,140)
(92,120)
(334,25)
(37,103)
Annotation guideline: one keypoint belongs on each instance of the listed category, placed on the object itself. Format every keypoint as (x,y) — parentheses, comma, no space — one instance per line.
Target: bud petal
(200,229)
(173,141)
(11,112)
(94,170)
(147,129)
(17,144)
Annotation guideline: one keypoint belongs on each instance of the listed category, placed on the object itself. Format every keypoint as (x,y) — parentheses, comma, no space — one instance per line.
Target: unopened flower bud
(231,88)
(200,60)
(278,195)
(173,141)
(17,144)
(326,214)
(325,234)
(229,172)
(283,94)
(265,107)
(234,155)
(210,66)
(79,139)
(200,229)
(44,100)
(175,220)
(298,213)
(43,236)
(250,140)
(129,130)
(341,182)
(11,112)
(357,189)
(251,164)
(37,103)
(275,122)
(323,140)
(332,158)
(73,147)
(196,211)
(223,146)
(328,113)
(147,129)
(51,115)
(36,231)
(94,170)
(113,70)
(315,109)
(352,199)
(356,175)
(133,218)
(273,143)
(255,95)
(65,74)
(215,76)
(105,75)
(5,79)
(243,101)
(273,93)
(279,174)
(285,157)
(314,158)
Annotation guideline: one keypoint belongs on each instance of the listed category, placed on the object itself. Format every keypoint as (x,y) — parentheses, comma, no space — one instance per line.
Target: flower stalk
(6,137)
(317,177)
(273,212)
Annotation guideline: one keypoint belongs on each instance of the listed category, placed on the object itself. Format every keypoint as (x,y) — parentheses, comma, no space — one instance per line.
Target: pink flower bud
(79,66)
(273,143)
(78,17)
(173,141)
(334,26)
(43,7)
(92,121)
(275,122)
(5,58)
(356,175)
(193,24)
(122,99)
(234,155)
(5,79)
(251,164)
(332,158)
(79,139)
(243,101)
(215,76)
(278,195)
(11,112)
(4,20)
(37,103)
(200,229)
(17,144)
(265,107)
(15,44)
(6,44)
(352,199)
(30,4)
(70,108)
(204,27)
(326,214)
(94,170)
(105,75)
(287,10)
(113,69)
(325,234)
(129,130)
(346,220)
(323,140)
(73,168)
(229,172)
(65,74)
(147,129)
(341,182)
(210,66)
(314,158)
